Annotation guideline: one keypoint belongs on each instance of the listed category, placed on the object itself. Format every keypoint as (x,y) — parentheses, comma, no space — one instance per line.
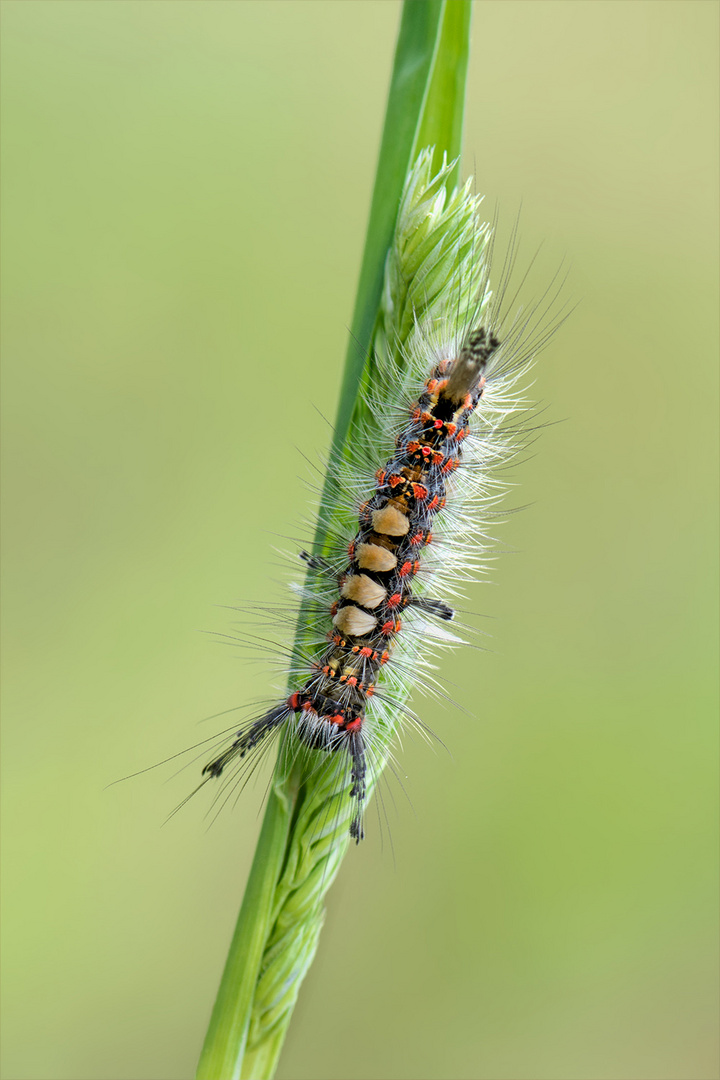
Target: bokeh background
(186,187)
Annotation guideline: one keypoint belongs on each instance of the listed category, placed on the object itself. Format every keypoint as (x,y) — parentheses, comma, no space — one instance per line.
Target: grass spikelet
(435,279)
(428,282)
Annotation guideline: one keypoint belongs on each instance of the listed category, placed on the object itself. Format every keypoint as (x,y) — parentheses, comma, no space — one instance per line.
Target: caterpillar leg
(358,790)
(432,607)
(315,562)
(247,740)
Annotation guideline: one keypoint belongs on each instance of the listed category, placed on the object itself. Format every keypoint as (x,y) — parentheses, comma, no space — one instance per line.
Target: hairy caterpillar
(376,587)
(434,425)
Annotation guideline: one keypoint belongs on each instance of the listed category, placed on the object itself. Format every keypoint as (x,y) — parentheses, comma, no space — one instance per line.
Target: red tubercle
(406,568)
(395,600)
(334,609)
(393,481)
(294,702)
(365,651)
(387,628)
(433,504)
(351,550)
(355,724)
(417,538)
(420,492)
(380,476)
(385,657)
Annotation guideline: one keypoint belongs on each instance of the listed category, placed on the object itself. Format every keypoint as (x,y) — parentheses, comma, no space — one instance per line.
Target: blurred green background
(186,187)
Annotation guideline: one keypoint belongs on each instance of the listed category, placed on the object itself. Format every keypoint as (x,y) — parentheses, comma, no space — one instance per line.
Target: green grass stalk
(305,829)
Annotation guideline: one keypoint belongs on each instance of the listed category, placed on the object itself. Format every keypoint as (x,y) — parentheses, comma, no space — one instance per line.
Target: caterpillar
(435,423)
(376,587)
